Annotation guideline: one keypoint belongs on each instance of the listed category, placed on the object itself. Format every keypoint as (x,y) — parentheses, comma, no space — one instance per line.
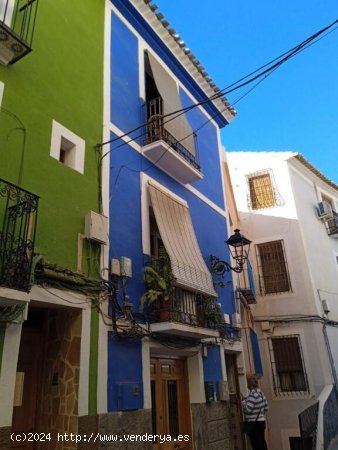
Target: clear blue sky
(296,108)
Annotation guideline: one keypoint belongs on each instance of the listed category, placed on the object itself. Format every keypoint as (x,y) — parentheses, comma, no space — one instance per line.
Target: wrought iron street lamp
(239,247)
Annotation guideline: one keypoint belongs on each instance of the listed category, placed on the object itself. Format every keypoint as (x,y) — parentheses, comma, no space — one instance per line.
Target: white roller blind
(180,127)
(178,236)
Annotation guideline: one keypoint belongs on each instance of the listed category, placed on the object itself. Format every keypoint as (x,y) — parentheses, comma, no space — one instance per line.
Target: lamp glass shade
(239,247)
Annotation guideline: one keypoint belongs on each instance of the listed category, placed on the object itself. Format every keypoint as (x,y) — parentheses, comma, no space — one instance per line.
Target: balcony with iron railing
(186,313)
(167,151)
(308,420)
(18,215)
(332,225)
(318,423)
(17,25)
(247,290)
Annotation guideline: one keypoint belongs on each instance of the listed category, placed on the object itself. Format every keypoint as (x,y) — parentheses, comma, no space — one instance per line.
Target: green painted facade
(61,80)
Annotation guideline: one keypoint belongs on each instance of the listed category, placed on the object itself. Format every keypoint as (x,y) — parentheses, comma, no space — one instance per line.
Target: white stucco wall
(312,265)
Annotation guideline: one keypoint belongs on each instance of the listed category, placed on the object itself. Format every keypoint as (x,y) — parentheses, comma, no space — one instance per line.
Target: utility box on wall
(96,227)
(128,396)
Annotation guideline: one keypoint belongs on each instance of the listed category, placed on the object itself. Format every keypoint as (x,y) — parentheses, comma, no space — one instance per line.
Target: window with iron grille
(272,266)
(287,364)
(261,190)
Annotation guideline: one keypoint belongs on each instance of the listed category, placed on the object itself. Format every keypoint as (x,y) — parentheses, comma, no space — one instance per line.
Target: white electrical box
(226,318)
(265,326)
(236,321)
(115,268)
(96,227)
(126,267)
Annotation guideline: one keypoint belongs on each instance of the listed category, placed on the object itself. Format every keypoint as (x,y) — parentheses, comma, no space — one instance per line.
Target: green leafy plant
(159,279)
(212,312)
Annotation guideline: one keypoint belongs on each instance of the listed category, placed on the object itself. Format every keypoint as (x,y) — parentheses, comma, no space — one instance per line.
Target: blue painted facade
(256,353)
(127,112)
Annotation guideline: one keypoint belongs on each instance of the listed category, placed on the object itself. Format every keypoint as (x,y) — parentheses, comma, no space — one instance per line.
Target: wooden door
(170,404)
(24,416)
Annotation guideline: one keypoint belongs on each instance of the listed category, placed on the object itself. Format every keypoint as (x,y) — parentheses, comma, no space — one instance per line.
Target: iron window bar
(287,365)
(262,190)
(272,267)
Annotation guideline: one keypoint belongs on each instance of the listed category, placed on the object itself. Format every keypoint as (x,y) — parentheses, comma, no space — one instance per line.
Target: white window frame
(76,157)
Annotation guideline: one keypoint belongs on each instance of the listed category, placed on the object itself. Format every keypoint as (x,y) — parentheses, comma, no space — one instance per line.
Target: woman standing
(255,406)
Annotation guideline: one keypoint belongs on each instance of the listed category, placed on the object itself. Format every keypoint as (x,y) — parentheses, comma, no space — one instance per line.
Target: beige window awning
(180,127)
(178,236)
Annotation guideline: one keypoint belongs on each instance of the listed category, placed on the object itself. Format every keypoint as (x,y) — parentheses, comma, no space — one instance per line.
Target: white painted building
(295,261)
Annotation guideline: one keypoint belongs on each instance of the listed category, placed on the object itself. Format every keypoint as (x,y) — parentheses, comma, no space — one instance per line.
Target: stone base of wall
(5,438)
(211,426)
(120,424)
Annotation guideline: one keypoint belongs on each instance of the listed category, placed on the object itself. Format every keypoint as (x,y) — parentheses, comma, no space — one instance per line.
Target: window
(67,147)
(273,272)
(156,242)
(261,190)
(287,365)
(170,226)
(328,200)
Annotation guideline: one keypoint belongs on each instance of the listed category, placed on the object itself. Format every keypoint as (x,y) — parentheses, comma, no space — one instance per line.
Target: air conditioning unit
(236,321)
(324,211)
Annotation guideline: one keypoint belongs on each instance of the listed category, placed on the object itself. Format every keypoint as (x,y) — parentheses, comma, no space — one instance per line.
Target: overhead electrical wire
(276,63)
(154,163)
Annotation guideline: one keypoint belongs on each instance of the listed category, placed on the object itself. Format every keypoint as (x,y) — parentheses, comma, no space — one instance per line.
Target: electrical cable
(290,53)
(278,61)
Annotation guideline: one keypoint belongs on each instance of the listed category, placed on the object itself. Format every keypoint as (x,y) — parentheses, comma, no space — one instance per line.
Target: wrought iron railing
(330,420)
(187,307)
(228,331)
(308,420)
(17,26)
(156,131)
(18,213)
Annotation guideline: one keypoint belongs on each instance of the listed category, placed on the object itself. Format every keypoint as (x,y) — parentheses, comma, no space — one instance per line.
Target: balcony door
(170,403)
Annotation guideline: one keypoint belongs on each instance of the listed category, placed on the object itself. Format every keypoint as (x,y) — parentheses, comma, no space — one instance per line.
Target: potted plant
(159,279)
(212,313)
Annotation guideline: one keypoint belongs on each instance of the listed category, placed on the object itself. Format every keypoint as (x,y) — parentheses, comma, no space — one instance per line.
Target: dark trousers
(256,436)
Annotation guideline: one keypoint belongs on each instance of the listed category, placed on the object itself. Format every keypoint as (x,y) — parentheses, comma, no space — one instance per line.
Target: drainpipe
(328,347)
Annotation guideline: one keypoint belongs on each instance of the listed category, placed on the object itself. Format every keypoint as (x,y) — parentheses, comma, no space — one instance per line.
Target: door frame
(184,410)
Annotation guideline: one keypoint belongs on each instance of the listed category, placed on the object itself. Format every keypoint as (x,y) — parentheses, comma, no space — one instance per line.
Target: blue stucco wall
(124,366)
(124,101)
(256,352)
(126,165)
(212,368)
(207,143)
